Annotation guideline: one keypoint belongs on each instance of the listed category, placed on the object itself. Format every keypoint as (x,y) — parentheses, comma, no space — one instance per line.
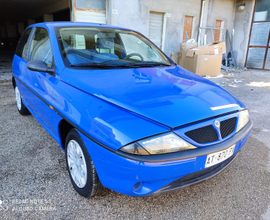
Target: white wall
(219,10)
(134,14)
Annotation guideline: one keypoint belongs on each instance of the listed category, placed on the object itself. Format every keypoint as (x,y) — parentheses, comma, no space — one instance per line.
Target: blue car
(127,117)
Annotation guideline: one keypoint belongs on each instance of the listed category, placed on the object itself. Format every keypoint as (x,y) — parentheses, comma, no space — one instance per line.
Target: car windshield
(108,48)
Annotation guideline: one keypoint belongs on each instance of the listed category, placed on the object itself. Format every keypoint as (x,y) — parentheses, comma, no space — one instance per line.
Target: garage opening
(16,15)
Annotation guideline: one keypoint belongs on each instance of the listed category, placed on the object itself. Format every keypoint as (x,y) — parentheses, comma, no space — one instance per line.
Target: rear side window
(21,48)
(40,47)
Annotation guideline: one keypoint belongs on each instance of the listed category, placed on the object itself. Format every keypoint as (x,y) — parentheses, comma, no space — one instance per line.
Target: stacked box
(205,60)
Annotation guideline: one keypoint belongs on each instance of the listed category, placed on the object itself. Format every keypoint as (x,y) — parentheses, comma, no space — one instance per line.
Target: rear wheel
(80,166)
(20,106)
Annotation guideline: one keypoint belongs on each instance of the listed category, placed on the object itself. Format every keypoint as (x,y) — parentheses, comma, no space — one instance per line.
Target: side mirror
(39,66)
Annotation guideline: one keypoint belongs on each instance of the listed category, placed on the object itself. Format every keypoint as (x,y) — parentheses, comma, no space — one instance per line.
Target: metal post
(201,21)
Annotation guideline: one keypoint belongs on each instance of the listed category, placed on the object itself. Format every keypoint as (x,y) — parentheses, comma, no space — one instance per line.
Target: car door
(41,83)
(20,60)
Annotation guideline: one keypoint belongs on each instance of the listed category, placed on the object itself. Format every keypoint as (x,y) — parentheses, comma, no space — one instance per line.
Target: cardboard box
(175,57)
(183,50)
(214,48)
(204,64)
(205,60)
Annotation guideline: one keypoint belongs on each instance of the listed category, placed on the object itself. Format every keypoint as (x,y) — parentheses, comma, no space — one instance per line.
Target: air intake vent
(227,127)
(203,135)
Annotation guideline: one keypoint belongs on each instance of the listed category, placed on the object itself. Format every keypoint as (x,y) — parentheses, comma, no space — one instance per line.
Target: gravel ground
(34,182)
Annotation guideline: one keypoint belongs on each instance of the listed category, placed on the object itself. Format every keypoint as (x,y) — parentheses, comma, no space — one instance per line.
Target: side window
(40,47)
(21,48)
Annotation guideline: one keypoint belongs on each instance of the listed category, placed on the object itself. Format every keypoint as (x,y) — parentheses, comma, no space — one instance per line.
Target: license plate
(215,158)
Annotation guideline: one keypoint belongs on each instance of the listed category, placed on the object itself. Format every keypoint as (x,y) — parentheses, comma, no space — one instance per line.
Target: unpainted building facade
(168,23)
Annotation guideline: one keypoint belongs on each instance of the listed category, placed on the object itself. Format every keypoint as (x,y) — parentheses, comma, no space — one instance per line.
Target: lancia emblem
(217,124)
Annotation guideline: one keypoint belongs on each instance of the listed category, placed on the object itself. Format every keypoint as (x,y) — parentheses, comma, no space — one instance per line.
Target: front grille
(203,135)
(227,127)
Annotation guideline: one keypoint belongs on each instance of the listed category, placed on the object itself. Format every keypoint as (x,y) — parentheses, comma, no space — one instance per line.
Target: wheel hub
(18,98)
(76,163)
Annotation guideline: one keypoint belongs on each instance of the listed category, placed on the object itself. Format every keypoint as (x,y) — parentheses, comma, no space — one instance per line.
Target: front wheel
(80,166)
(20,106)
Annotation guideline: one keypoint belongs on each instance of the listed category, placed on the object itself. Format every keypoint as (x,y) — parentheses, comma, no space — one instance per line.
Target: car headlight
(162,144)
(243,119)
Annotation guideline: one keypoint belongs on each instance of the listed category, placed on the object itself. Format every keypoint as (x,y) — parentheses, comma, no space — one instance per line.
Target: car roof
(75,24)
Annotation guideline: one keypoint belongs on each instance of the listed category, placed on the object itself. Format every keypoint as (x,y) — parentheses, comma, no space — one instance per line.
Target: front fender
(105,123)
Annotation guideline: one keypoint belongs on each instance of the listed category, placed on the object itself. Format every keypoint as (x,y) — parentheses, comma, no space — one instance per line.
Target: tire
(20,106)
(81,165)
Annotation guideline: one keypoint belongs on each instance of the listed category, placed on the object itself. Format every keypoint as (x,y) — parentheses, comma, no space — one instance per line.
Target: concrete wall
(218,10)
(240,21)
(134,14)
(242,24)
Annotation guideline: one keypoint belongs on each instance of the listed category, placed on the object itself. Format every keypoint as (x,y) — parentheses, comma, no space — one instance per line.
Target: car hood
(171,95)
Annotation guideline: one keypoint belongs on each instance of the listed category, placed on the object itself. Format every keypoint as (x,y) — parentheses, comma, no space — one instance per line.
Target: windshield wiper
(152,63)
(131,65)
(141,63)
(98,65)
(103,65)
(145,64)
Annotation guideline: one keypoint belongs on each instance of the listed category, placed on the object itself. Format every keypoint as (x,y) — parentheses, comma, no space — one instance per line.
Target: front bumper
(195,178)
(158,174)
